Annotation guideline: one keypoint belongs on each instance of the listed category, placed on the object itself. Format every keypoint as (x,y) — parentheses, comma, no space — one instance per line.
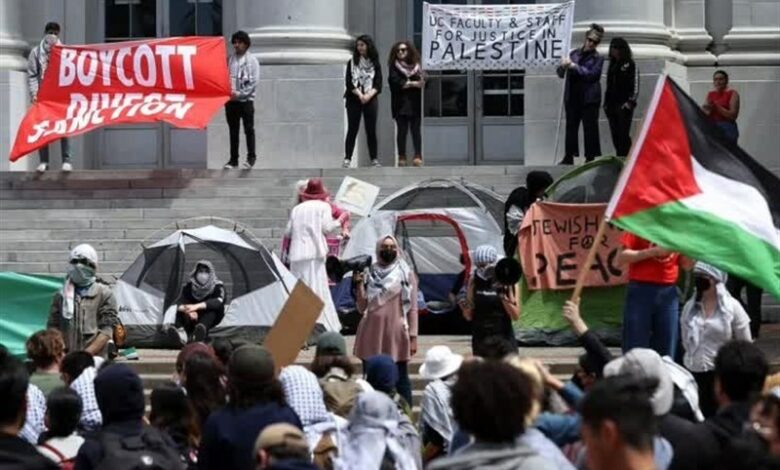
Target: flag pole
(635,144)
(575,296)
(560,116)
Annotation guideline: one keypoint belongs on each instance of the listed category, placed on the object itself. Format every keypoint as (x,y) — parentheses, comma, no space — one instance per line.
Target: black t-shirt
(18,454)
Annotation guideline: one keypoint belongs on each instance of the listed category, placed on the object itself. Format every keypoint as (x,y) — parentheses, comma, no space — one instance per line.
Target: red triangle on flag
(649,184)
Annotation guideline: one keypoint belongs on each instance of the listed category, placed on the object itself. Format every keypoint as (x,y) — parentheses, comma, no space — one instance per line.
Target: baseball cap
(644,363)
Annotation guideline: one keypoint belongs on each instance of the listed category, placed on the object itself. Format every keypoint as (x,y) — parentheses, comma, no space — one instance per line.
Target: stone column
(689,33)
(641,23)
(13,80)
(754,35)
(302,46)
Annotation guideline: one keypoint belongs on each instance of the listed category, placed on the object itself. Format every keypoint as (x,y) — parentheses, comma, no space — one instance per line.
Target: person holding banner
(406,79)
(582,95)
(244,73)
(363,82)
(37,63)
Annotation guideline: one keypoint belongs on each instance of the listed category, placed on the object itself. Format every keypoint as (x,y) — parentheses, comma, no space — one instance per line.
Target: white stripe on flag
(731,200)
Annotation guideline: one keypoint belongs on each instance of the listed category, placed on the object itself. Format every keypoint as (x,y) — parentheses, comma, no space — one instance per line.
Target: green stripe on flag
(706,237)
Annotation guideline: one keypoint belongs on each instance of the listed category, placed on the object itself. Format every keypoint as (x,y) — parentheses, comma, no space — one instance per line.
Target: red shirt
(656,270)
(721,98)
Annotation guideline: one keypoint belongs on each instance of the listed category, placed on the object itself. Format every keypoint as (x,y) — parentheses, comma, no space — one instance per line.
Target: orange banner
(555,240)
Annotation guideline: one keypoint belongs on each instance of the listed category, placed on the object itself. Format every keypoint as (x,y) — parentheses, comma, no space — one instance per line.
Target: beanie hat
(119,393)
(485,254)
(331,343)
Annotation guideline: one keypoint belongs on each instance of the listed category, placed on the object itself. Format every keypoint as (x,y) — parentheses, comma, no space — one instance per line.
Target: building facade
(470,117)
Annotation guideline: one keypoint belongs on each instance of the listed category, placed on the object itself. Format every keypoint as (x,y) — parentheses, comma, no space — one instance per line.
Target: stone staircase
(43,216)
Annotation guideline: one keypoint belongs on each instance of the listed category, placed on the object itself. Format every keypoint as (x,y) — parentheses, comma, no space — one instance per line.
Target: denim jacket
(584,79)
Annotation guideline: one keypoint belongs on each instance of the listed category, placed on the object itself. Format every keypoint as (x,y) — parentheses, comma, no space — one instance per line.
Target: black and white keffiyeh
(363,74)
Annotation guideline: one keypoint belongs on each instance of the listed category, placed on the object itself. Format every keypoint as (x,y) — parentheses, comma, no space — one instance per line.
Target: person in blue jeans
(651,310)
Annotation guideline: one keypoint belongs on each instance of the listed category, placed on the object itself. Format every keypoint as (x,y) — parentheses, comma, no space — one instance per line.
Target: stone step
(253,223)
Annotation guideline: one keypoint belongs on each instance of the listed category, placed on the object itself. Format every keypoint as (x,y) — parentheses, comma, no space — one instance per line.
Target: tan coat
(93,312)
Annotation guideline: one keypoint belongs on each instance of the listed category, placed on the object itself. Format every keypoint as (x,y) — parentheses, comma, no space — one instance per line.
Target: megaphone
(507,272)
(337,268)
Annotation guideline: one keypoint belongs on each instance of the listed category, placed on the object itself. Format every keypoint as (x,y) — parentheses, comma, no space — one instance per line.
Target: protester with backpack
(325,432)
(125,442)
(60,442)
(336,373)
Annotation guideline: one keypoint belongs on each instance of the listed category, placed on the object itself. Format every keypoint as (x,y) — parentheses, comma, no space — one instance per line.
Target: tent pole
(575,296)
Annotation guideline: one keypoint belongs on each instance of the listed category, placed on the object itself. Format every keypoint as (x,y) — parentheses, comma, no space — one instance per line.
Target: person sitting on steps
(201,305)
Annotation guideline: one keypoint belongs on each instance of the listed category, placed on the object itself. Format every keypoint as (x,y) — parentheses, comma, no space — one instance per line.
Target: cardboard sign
(356,196)
(293,325)
(554,243)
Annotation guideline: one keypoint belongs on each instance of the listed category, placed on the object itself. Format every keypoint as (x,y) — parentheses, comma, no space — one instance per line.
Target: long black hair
(620,44)
(172,412)
(202,380)
(371,51)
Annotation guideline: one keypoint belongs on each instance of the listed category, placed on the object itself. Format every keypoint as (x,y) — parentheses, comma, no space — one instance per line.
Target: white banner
(496,37)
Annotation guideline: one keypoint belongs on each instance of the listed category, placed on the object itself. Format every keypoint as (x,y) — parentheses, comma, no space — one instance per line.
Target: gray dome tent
(256,282)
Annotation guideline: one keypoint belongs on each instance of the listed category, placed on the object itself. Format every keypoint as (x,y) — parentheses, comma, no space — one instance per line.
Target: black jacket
(377,83)
(679,433)
(214,302)
(622,83)
(404,102)
(716,432)
(18,454)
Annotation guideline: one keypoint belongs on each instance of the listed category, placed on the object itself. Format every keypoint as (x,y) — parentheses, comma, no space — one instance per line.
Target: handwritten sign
(554,242)
(496,37)
(356,196)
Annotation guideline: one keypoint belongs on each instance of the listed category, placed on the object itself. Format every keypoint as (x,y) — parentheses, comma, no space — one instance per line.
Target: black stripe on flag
(717,154)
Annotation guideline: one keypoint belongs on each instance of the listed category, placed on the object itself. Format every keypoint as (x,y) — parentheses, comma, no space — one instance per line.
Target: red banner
(554,242)
(182,81)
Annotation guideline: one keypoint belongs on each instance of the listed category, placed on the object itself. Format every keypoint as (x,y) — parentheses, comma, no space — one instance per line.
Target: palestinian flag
(687,189)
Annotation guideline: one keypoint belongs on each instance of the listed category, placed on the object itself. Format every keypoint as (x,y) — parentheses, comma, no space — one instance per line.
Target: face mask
(81,274)
(702,284)
(202,277)
(387,256)
(485,272)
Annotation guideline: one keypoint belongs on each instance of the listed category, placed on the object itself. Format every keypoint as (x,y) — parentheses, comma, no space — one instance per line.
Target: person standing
(709,320)
(517,204)
(406,79)
(244,73)
(309,223)
(582,95)
(37,63)
(363,83)
(622,92)
(85,310)
(201,305)
(489,310)
(651,310)
(387,302)
(722,106)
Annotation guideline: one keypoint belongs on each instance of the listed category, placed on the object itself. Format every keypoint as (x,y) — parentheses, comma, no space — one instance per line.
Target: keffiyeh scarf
(363,74)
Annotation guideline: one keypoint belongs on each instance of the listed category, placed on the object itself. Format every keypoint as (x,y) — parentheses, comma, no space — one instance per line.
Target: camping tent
(436,222)
(540,319)
(256,282)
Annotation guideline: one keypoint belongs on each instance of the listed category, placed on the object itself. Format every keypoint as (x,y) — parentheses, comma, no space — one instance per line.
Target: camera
(337,268)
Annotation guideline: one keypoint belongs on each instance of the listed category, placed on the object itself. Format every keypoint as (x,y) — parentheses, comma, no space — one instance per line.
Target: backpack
(149,450)
(65,464)
(325,452)
(339,394)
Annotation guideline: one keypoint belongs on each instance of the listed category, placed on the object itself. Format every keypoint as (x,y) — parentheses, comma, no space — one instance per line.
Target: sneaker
(42,167)
(567,160)
(417,161)
(347,163)
(401,161)
(67,167)
(229,166)
(375,163)
(199,334)
(176,336)
(247,165)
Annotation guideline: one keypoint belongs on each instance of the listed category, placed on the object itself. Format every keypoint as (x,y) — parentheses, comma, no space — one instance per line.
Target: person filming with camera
(386,298)
(489,305)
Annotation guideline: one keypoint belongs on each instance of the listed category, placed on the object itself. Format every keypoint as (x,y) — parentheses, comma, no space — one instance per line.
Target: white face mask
(202,277)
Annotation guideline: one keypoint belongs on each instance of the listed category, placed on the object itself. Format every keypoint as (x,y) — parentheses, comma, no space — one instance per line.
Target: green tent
(24,307)
(601,307)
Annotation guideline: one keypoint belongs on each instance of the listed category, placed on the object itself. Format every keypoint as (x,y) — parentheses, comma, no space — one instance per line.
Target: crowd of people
(227,407)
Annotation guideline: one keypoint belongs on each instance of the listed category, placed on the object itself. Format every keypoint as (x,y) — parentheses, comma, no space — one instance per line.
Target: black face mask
(702,284)
(388,256)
